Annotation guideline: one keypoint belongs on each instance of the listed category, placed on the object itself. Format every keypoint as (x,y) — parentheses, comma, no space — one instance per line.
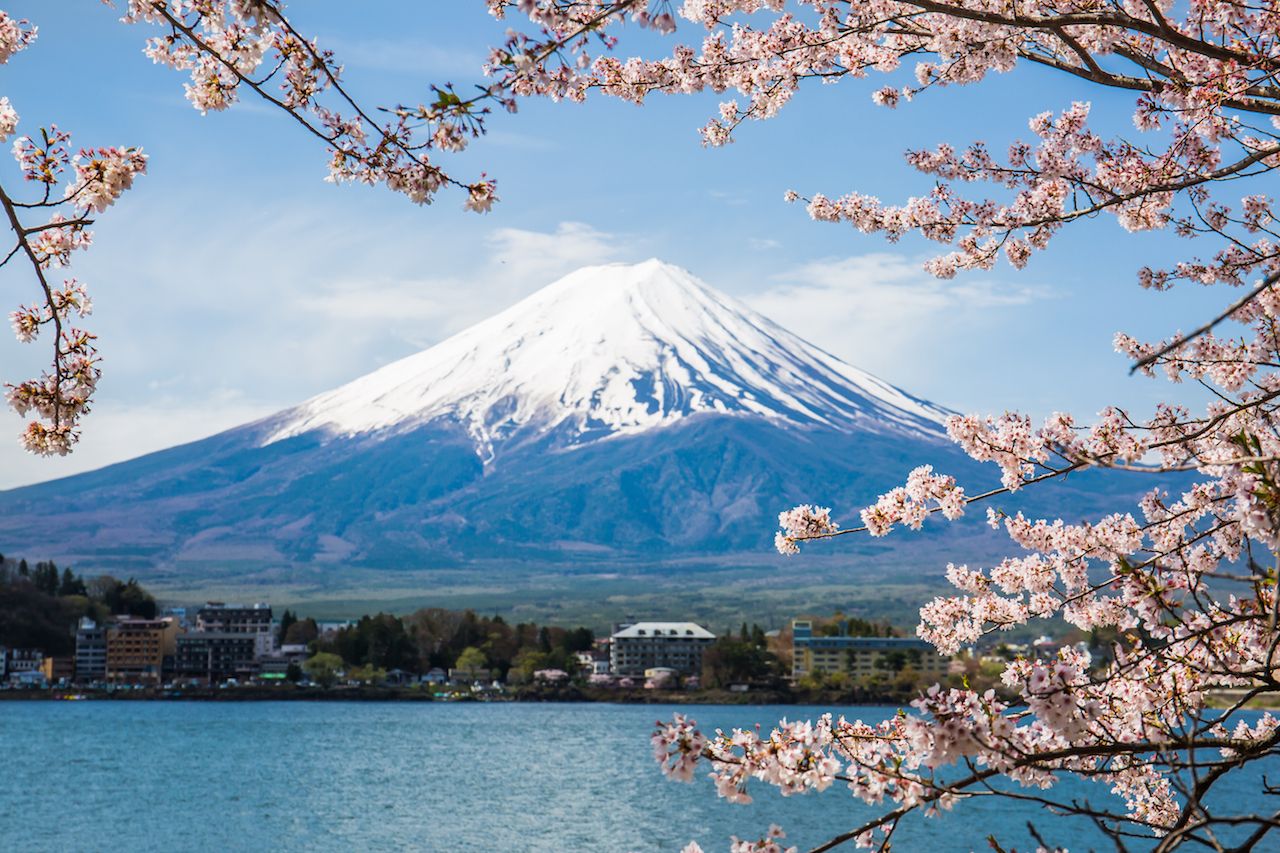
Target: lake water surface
(422,776)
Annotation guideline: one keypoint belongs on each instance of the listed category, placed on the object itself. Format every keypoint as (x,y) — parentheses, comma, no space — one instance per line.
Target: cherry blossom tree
(1188,580)
(228,48)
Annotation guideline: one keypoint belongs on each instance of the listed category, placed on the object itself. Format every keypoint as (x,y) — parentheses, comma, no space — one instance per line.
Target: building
(470,676)
(19,662)
(861,657)
(216,655)
(593,662)
(91,651)
(136,649)
(399,678)
(252,619)
(179,614)
(29,678)
(295,652)
(646,645)
(59,669)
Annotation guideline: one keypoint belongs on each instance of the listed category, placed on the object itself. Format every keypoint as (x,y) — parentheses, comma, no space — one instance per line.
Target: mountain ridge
(625,414)
(612,350)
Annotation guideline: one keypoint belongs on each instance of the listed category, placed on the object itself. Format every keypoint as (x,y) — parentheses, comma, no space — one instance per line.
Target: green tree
(71,585)
(302,633)
(45,577)
(323,668)
(286,621)
(367,674)
(579,640)
(471,659)
(527,662)
(730,661)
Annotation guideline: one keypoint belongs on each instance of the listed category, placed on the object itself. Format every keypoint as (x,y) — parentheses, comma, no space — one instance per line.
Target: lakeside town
(62,636)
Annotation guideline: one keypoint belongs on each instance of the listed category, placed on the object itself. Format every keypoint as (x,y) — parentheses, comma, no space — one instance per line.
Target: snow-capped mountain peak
(607,351)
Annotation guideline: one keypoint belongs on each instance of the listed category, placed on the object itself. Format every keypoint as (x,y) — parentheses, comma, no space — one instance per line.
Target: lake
(421,776)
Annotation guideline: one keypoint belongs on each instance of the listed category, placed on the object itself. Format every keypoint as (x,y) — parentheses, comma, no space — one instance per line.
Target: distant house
(661,677)
(645,645)
(398,678)
(59,669)
(29,678)
(435,675)
(19,662)
(593,662)
(469,676)
(295,652)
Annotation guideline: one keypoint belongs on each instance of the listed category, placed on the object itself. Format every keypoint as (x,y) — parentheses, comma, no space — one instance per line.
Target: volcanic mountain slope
(623,413)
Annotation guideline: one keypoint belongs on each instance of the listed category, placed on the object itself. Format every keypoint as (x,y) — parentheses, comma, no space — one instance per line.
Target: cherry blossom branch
(1181,341)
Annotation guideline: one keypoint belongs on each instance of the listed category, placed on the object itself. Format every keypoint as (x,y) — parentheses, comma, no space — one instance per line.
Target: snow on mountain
(622,416)
(610,351)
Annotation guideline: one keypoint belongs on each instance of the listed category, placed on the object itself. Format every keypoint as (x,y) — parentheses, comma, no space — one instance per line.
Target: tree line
(435,637)
(40,605)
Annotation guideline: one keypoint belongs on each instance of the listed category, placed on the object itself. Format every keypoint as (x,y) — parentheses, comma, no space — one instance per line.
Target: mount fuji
(624,414)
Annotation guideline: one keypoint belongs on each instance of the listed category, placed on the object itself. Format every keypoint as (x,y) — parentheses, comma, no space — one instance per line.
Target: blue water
(386,776)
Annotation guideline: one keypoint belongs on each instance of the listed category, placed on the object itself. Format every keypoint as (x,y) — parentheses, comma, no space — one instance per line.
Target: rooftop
(862,642)
(665,629)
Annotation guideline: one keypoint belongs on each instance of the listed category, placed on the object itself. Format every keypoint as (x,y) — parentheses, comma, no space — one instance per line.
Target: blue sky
(232,281)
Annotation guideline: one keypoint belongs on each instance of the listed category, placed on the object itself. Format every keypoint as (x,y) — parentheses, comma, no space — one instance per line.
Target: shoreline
(568,695)
(393,694)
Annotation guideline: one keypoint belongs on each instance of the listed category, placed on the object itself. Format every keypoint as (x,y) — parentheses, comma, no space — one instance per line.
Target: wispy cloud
(422,310)
(198,338)
(882,312)
(118,432)
(407,56)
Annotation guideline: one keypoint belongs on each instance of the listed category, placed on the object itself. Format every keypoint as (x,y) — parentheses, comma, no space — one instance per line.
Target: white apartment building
(647,645)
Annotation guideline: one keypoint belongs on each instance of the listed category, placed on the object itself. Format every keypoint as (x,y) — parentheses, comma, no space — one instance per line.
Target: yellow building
(136,649)
(861,657)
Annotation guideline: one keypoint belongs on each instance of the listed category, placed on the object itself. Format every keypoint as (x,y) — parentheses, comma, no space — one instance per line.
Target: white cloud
(424,310)
(882,312)
(114,433)
(406,56)
(540,254)
(234,311)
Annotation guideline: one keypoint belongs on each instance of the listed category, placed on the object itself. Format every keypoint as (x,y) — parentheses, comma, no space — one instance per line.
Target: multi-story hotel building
(91,651)
(216,655)
(248,619)
(861,657)
(136,649)
(649,645)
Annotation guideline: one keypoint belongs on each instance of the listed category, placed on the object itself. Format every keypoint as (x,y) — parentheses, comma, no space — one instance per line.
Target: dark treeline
(435,637)
(744,658)
(840,625)
(40,605)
